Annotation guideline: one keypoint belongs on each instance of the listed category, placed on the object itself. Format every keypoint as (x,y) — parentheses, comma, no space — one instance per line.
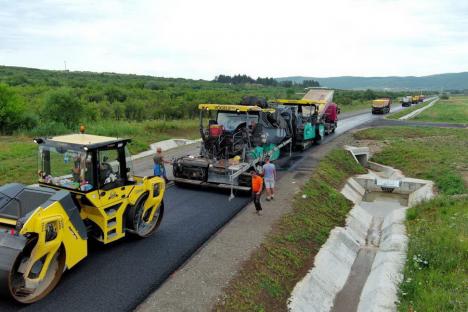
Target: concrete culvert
(360,266)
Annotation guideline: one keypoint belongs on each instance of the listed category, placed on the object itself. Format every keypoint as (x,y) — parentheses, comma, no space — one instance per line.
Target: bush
(11,110)
(444,96)
(48,129)
(62,106)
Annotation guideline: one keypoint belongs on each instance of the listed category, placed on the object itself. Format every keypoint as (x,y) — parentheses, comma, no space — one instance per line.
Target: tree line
(244,79)
(48,100)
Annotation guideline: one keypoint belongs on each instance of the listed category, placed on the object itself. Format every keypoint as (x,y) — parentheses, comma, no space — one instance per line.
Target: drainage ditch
(359,267)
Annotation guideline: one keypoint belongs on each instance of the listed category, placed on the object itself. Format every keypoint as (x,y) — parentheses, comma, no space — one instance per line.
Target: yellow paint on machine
(234,108)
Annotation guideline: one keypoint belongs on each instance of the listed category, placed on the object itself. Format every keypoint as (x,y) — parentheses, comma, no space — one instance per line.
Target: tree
(369,95)
(310,83)
(62,106)
(114,94)
(11,110)
(286,83)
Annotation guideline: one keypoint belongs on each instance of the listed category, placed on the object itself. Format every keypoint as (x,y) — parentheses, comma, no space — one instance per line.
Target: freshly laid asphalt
(120,276)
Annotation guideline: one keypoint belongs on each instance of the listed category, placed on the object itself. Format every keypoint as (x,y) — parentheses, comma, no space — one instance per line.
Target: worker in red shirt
(257,187)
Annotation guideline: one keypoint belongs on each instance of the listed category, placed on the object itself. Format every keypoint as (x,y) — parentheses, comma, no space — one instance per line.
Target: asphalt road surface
(119,276)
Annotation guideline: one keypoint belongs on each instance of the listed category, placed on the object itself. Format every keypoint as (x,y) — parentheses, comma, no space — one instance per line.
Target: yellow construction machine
(86,188)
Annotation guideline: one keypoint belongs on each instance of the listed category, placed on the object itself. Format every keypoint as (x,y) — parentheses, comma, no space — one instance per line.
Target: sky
(204,38)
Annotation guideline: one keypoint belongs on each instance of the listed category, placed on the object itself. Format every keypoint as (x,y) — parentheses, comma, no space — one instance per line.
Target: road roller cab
(86,188)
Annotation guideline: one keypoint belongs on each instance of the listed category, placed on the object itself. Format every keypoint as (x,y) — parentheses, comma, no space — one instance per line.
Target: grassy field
(437,154)
(453,110)
(407,110)
(18,158)
(267,279)
(355,106)
(436,272)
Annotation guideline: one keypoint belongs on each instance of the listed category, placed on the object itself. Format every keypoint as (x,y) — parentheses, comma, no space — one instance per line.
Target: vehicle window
(129,160)
(109,167)
(230,121)
(65,168)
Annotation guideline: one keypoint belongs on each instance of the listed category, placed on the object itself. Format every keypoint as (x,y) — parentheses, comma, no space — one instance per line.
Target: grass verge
(454,110)
(18,157)
(436,271)
(437,154)
(356,105)
(268,277)
(408,110)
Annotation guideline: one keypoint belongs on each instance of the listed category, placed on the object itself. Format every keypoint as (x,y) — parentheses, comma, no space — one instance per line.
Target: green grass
(454,110)
(266,280)
(437,154)
(408,110)
(435,274)
(18,158)
(355,106)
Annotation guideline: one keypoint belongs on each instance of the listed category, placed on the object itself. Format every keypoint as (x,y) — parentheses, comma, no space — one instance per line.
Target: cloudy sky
(203,38)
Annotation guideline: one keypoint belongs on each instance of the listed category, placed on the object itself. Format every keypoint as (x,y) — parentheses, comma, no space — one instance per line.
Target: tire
(50,281)
(136,222)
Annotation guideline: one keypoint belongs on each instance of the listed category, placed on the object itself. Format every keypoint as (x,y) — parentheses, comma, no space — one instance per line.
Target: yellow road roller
(86,189)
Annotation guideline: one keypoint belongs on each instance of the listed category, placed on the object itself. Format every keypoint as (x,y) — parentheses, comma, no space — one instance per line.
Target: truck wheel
(19,290)
(139,224)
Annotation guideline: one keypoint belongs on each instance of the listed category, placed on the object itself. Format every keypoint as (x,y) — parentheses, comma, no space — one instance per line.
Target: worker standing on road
(269,175)
(257,187)
(159,169)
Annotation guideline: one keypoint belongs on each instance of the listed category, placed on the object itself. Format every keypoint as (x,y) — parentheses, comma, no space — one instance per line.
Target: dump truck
(381,106)
(415,99)
(86,189)
(327,110)
(235,139)
(311,119)
(406,101)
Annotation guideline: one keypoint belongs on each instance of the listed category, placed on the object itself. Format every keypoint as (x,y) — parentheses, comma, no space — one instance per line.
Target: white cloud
(200,39)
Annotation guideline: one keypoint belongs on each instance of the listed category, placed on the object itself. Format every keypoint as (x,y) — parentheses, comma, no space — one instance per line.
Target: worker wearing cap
(257,187)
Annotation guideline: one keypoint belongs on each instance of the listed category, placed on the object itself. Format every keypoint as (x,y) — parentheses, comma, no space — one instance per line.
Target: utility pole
(65,63)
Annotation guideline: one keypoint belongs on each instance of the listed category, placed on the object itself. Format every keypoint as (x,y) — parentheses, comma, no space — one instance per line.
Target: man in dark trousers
(257,187)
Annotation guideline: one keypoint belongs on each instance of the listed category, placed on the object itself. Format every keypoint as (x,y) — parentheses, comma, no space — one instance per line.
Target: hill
(449,81)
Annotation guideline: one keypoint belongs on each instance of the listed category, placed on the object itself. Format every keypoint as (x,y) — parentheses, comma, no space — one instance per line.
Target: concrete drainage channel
(359,267)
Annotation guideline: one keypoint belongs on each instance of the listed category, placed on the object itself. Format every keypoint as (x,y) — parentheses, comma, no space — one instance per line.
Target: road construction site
(129,271)
(190,221)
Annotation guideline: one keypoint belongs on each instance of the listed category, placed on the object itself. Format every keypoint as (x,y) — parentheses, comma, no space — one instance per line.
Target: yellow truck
(86,189)
(381,106)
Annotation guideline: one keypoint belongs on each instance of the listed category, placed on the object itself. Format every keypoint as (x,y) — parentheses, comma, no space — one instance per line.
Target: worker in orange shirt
(257,187)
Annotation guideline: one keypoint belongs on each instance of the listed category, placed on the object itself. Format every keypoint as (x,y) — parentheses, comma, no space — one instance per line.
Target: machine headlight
(156,190)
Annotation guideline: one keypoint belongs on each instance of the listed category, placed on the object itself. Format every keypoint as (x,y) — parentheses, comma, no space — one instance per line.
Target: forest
(47,102)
